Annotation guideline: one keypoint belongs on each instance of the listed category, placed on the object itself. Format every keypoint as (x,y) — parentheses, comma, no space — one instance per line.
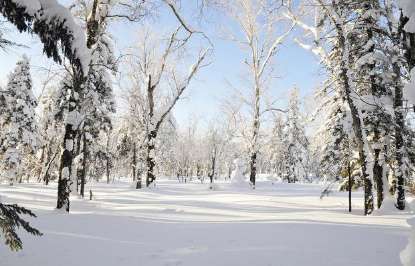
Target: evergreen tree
(278,147)
(297,154)
(10,221)
(19,130)
(371,68)
(335,134)
(336,19)
(97,97)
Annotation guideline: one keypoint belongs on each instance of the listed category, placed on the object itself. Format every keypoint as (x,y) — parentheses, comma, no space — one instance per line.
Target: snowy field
(188,224)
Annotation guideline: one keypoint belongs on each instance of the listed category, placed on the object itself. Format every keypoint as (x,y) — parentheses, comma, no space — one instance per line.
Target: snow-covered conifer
(18,135)
(298,145)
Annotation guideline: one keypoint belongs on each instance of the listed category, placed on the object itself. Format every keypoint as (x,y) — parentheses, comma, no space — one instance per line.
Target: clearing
(188,224)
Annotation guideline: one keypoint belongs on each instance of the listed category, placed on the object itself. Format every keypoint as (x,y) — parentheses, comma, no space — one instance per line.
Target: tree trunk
(252,176)
(399,146)
(349,172)
(378,168)
(212,171)
(254,141)
(108,170)
(356,124)
(134,162)
(378,178)
(107,165)
(46,166)
(65,180)
(65,168)
(150,157)
(408,41)
(84,164)
(46,175)
(41,162)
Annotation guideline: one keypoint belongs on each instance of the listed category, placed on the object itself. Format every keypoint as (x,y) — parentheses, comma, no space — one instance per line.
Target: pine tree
(335,132)
(10,221)
(55,27)
(19,130)
(97,100)
(297,162)
(278,147)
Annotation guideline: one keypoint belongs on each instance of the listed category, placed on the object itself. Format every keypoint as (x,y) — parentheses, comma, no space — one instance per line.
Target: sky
(293,66)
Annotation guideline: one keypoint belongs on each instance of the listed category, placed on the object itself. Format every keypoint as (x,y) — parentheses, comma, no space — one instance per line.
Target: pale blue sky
(294,67)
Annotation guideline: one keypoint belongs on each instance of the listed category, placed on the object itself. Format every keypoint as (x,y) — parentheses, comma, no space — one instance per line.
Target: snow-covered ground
(188,224)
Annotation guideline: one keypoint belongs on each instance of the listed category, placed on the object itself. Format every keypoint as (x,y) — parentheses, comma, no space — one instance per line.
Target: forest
(207,132)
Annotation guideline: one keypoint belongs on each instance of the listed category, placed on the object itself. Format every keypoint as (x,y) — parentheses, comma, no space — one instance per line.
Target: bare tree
(155,67)
(262,30)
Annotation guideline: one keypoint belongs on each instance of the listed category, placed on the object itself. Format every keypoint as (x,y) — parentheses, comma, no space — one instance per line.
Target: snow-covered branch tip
(54,24)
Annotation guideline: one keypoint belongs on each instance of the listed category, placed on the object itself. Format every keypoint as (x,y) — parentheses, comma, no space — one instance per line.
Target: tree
(297,154)
(50,129)
(334,42)
(19,129)
(404,38)
(54,25)
(278,147)
(257,21)
(96,98)
(10,221)
(154,66)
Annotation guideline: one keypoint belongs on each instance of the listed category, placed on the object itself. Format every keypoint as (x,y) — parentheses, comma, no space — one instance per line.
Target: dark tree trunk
(408,41)
(84,164)
(108,158)
(46,175)
(399,145)
(65,168)
(212,171)
(108,170)
(378,169)
(134,162)
(378,178)
(151,138)
(252,176)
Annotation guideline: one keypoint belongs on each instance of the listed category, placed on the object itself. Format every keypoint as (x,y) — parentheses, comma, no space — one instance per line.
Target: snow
(408,255)
(408,8)
(188,224)
(237,175)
